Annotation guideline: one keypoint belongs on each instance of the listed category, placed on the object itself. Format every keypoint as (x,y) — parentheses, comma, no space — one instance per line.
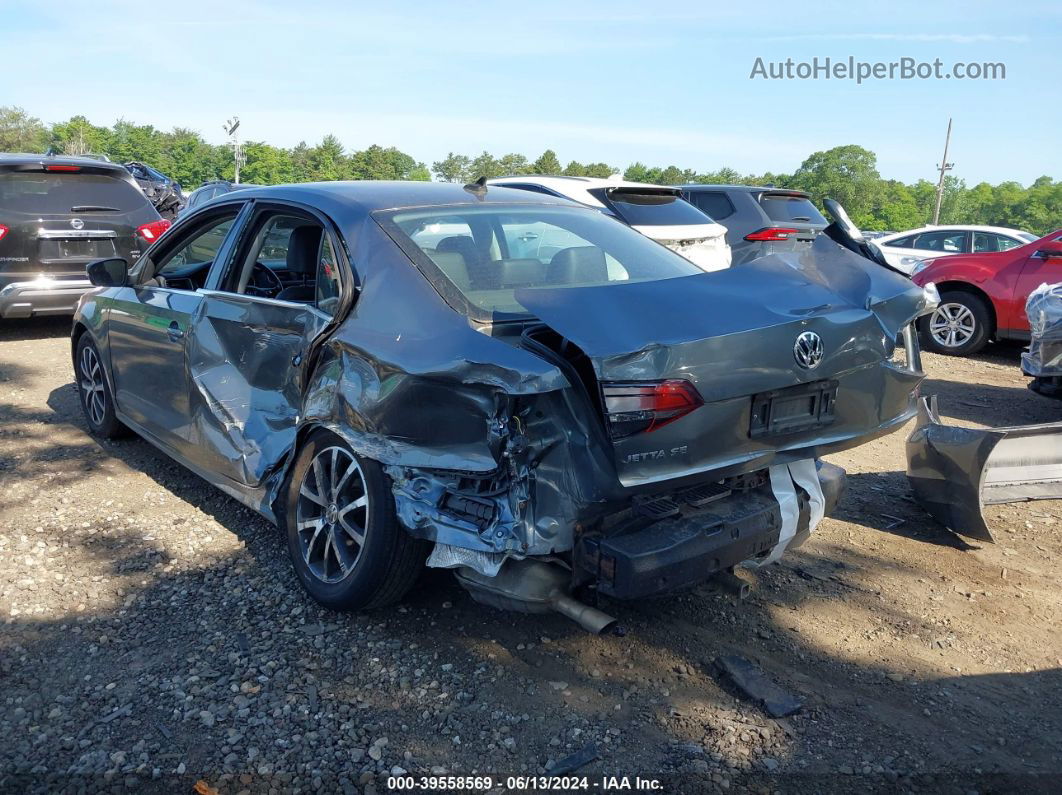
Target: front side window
(944,241)
(990,241)
(187,265)
(489,252)
(900,242)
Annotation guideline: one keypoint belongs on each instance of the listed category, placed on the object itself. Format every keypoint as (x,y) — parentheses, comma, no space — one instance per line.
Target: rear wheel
(96,400)
(347,547)
(959,326)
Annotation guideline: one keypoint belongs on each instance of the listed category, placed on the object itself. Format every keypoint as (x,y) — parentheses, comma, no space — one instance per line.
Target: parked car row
(904,250)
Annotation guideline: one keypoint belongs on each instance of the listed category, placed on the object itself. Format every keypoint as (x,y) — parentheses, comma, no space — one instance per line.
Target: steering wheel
(264,282)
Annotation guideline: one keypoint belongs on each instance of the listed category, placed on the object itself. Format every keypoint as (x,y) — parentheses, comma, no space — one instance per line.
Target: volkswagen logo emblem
(77,223)
(808,350)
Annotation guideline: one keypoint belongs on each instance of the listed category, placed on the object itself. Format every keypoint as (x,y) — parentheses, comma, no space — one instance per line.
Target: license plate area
(58,249)
(793,409)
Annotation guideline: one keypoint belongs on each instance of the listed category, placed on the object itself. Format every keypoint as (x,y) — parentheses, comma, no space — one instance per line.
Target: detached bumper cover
(42,297)
(699,539)
(954,472)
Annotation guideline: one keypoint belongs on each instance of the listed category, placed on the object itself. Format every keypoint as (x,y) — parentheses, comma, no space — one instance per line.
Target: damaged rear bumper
(954,472)
(698,532)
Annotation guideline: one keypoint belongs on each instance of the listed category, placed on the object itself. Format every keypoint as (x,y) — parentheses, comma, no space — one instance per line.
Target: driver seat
(304,244)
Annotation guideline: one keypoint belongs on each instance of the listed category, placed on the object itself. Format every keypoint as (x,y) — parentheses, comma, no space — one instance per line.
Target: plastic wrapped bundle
(1044,310)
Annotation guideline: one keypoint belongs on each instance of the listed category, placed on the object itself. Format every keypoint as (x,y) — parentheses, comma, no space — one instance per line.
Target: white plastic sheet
(1044,310)
(784,480)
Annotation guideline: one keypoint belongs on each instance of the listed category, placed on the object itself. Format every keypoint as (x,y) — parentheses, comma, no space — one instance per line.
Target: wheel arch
(966,287)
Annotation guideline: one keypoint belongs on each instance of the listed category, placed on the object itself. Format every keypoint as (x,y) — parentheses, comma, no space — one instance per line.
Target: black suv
(758,220)
(56,215)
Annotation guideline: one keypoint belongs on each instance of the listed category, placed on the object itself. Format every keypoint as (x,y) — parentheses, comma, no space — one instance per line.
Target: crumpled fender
(954,472)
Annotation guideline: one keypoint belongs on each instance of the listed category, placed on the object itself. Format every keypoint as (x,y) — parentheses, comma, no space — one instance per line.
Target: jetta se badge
(808,350)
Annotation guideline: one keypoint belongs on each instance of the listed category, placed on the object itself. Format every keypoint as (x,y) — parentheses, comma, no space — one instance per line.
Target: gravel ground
(154,635)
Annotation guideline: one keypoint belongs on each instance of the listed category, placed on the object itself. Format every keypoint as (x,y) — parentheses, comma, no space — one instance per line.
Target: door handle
(175,332)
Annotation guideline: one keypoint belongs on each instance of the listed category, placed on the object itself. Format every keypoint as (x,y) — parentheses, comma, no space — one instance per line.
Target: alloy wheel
(952,325)
(332,514)
(92,385)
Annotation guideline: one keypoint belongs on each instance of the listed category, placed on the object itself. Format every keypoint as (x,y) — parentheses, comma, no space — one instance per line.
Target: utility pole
(943,168)
(231,127)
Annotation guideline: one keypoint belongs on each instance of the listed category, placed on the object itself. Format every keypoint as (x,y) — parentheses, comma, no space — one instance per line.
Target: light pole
(231,127)
(944,167)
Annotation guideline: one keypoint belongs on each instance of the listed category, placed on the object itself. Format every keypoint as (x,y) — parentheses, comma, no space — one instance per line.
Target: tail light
(644,406)
(153,231)
(771,234)
(3,231)
(61,167)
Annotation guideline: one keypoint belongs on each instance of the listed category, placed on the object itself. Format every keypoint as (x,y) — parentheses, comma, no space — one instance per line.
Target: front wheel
(959,326)
(347,547)
(97,402)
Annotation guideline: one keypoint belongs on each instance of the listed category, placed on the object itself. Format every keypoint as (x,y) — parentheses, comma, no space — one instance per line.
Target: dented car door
(250,341)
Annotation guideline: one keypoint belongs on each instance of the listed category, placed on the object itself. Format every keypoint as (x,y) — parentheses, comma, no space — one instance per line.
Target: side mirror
(1050,249)
(113,272)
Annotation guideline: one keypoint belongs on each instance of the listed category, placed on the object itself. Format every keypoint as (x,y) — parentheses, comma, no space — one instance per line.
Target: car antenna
(479,187)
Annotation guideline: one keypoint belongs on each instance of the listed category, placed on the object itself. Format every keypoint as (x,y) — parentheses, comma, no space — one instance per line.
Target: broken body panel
(954,472)
(495,439)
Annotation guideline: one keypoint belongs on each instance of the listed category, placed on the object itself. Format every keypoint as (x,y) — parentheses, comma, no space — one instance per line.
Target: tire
(960,326)
(322,529)
(94,390)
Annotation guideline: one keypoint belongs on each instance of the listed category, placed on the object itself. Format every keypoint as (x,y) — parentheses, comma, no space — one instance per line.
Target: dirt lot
(153,634)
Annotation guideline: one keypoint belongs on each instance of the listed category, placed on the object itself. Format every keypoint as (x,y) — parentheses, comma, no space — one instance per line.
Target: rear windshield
(650,209)
(58,192)
(790,208)
(486,253)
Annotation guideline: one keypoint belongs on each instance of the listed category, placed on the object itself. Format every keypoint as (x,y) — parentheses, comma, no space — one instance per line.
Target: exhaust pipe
(532,586)
(729,583)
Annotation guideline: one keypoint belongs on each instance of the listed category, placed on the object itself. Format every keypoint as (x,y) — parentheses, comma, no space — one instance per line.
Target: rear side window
(62,193)
(650,209)
(717,205)
(780,207)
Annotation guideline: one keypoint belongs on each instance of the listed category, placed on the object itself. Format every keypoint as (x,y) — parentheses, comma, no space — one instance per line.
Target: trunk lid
(733,334)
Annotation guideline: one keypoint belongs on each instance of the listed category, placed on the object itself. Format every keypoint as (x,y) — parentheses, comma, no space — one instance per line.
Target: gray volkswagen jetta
(368,366)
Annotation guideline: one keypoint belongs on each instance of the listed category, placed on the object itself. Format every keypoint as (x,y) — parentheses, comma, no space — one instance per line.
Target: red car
(982,296)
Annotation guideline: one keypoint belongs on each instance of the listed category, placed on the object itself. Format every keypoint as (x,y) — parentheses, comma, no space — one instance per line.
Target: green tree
(547,163)
(20,132)
(847,174)
(602,170)
(266,165)
(326,160)
(79,136)
(486,165)
(453,168)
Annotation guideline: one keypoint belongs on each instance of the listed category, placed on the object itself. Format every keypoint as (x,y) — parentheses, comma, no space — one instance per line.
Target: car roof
(957,227)
(695,186)
(366,196)
(27,159)
(575,188)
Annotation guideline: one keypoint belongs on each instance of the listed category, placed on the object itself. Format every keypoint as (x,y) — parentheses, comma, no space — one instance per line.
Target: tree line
(848,174)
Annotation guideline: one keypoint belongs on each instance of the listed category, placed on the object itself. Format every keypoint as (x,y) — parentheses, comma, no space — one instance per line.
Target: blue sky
(663,83)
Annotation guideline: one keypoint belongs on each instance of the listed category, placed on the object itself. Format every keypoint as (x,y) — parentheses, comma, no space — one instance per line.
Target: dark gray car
(370,366)
(759,221)
(57,214)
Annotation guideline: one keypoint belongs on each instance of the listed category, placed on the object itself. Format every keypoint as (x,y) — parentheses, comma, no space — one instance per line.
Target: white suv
(657,211)
(904,250)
